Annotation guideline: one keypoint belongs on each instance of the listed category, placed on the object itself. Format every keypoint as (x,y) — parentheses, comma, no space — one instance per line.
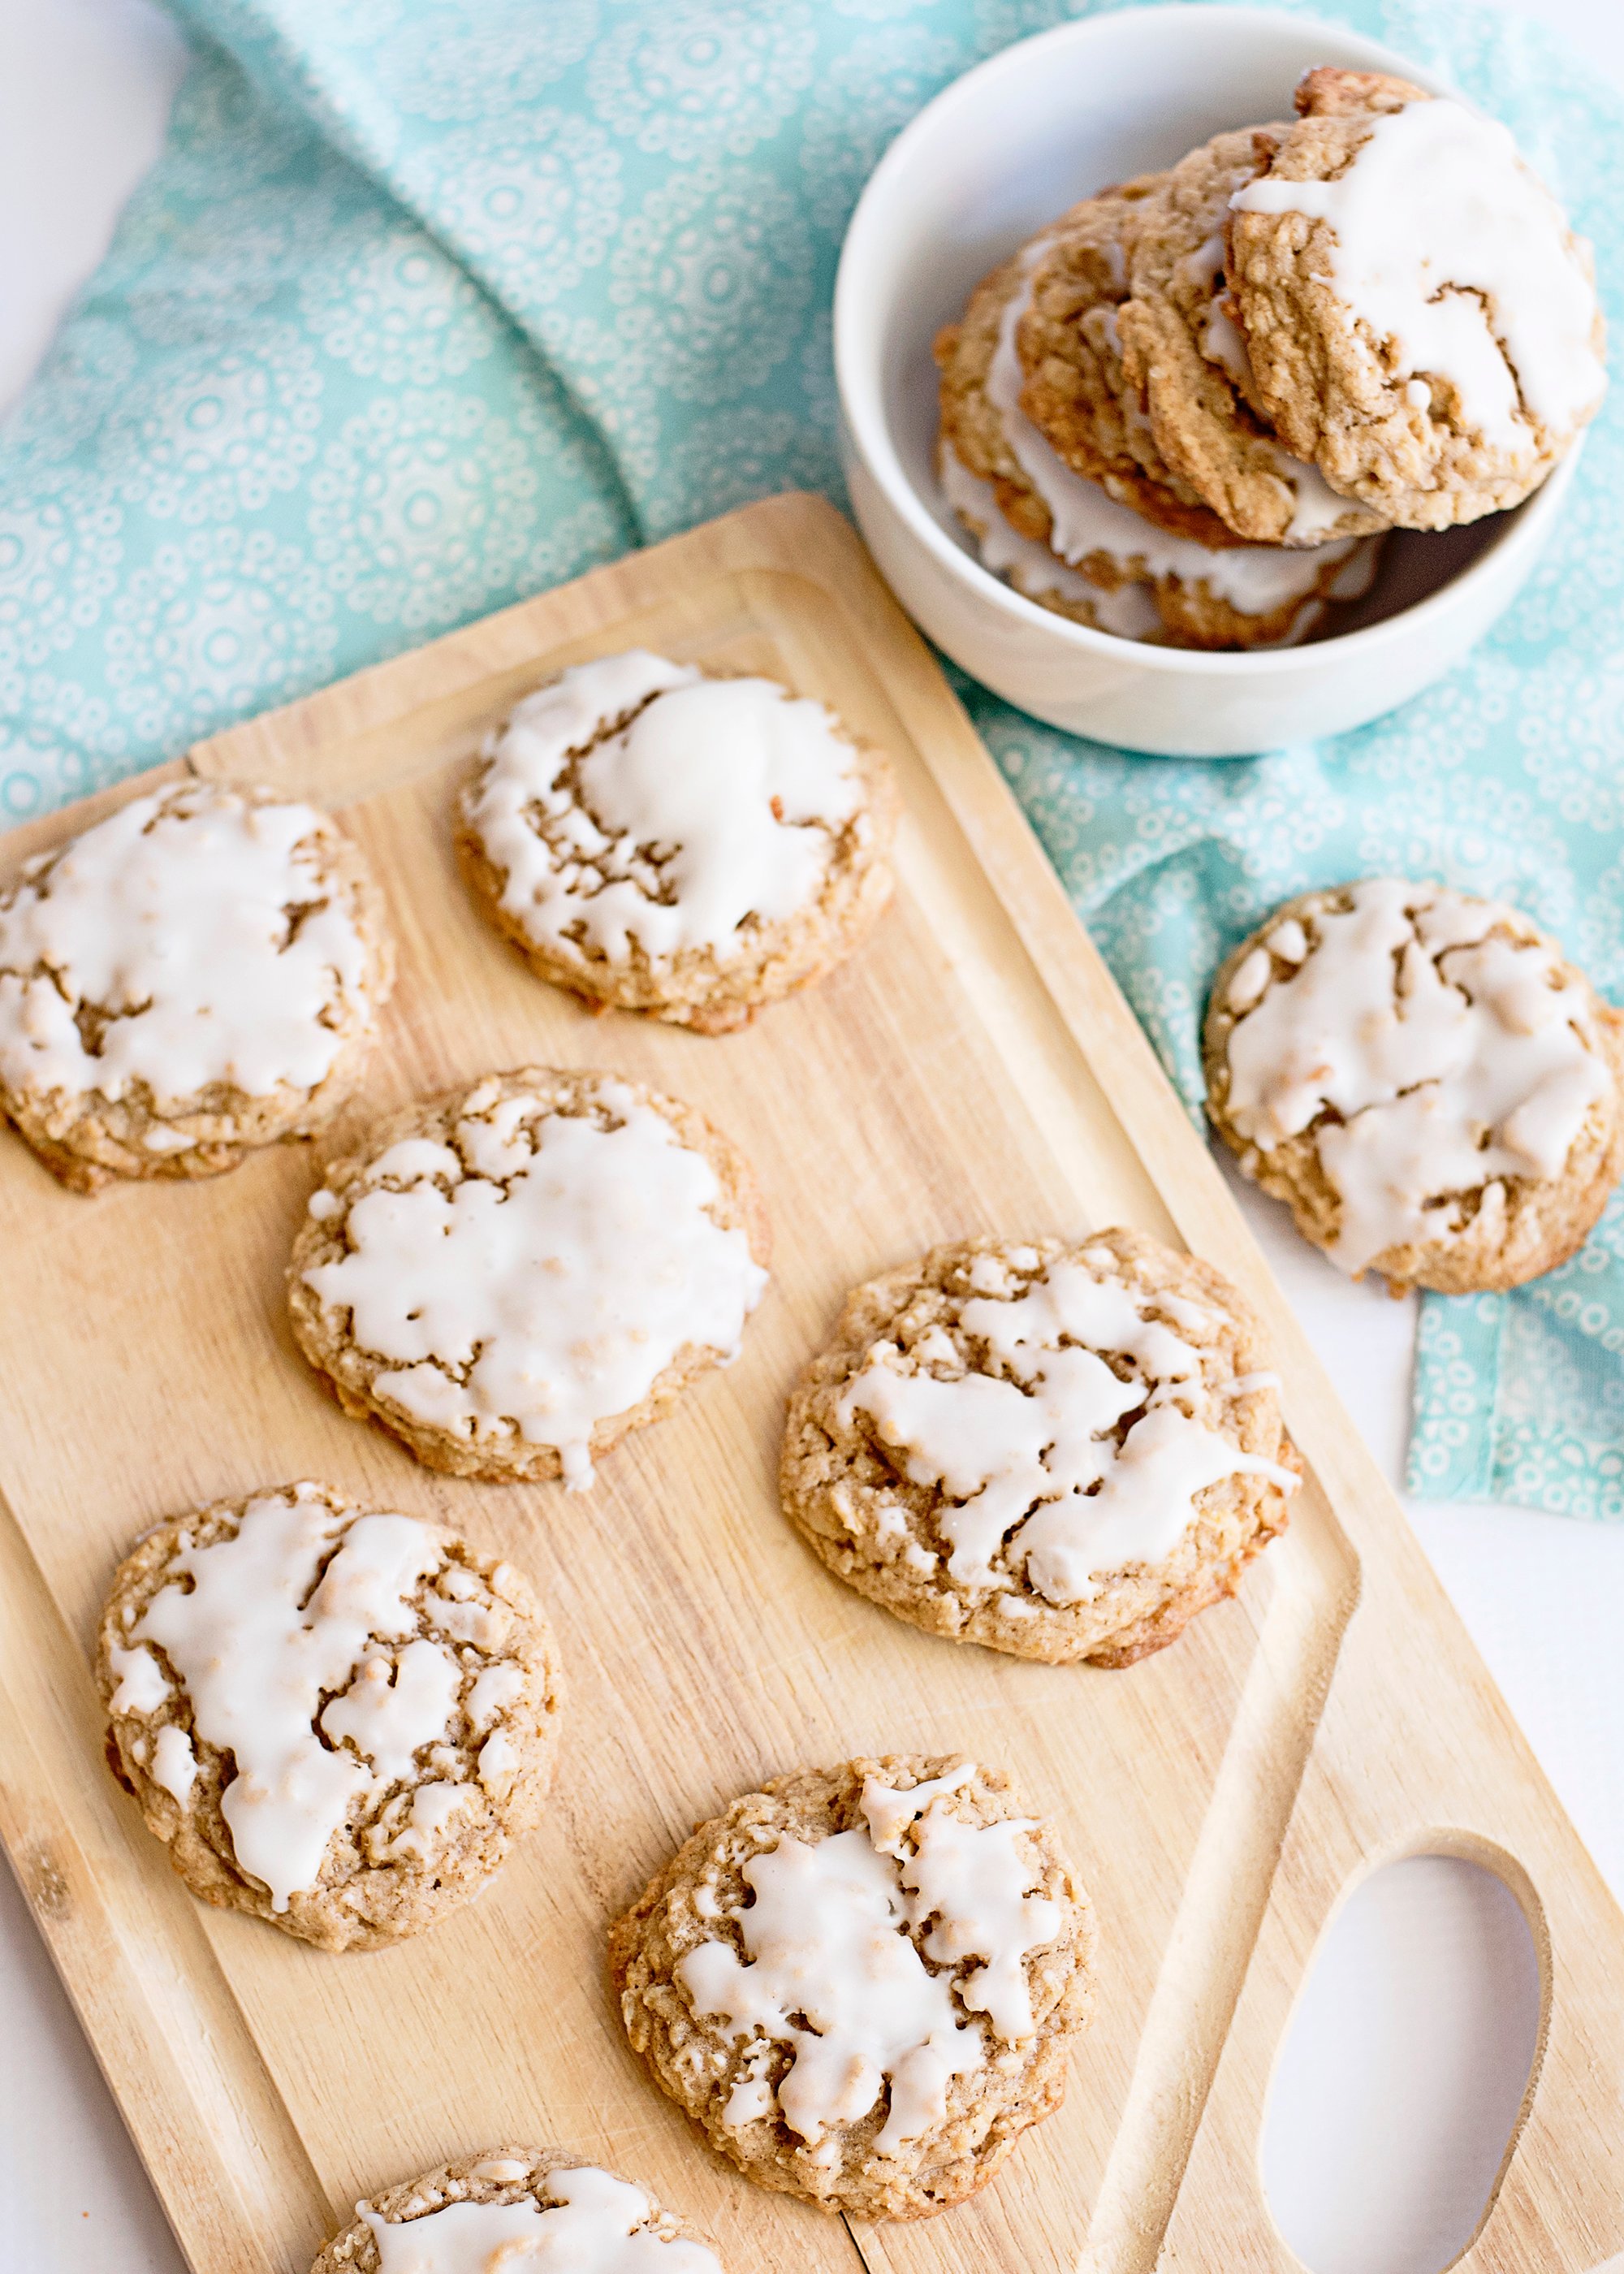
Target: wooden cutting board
(974,1070)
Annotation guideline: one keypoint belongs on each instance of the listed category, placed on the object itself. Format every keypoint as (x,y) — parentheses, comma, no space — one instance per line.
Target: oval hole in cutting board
(1403,2070)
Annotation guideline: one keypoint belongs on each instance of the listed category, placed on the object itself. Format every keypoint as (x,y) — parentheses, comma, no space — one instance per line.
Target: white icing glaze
(494,1690)
(1454,1059)
(391,1712)
(1032,1462)
(598,2225)
(428,1815)
(172,914)
(545,1304)
(1457,258)
(975,1887)
(143,1685)
(498,1763)
(256,1650)
(174,1763)
(719,801)
(827,1938)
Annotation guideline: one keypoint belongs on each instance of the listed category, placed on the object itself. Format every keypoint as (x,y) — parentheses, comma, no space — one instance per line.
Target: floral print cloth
(429,304)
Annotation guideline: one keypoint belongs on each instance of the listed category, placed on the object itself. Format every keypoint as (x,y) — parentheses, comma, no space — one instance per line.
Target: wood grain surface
(973,1070)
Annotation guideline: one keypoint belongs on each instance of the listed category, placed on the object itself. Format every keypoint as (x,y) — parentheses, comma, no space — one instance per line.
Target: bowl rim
(867,430)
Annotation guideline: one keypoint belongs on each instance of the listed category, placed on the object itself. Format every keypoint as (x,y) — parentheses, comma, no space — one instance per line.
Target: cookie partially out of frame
(513,1275)
(862,1983)
(518,2205)
(661,840)
(1062,1450)
(337,1720)
(1432,1089)
(196,975)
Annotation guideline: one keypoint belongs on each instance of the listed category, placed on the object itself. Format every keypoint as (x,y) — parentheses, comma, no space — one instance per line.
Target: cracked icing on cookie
(1030,1457)
(281,1637)
(1442,1055)
(595,2225)
(192,939)
(974,1886)
(540,1277)
(1254,579)
(636,806)
(1461,264)
(835,1964)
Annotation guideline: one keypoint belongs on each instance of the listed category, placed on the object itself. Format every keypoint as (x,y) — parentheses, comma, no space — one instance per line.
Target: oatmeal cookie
(665,840)
(1420,320)
(519,2205)
(1076,391)
(196,975)
(513,1275)
(1433,1090)
(862,1983)
(1061,1449)
(1183,351)
(336,1720)
(984,385)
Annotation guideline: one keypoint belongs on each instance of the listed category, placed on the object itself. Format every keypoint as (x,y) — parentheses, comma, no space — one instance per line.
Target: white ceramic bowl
(995,156)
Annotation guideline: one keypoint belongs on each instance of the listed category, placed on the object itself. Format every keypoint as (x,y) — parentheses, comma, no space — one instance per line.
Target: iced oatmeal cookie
(1433,1090)
(1075,389)
(198,974)
(667,841)
(995,363)
(1420,320)
(862,1983)
(516,2207)
(513,1275)
(1063,541)
(1061,1449)
(337,1720)
(1183,351)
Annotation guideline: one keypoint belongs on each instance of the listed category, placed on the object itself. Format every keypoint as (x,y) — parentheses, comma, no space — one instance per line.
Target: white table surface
(1412,2034)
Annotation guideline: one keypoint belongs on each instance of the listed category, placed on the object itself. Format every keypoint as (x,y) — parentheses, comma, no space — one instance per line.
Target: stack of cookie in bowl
(1188,409)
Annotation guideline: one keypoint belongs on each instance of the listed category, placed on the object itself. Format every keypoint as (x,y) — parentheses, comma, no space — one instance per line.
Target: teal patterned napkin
(432,302)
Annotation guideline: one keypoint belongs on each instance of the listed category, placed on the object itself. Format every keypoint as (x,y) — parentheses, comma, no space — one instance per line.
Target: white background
(1408,2060)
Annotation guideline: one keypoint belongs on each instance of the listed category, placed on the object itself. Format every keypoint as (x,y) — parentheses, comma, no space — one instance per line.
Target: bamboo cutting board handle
(1407,1761)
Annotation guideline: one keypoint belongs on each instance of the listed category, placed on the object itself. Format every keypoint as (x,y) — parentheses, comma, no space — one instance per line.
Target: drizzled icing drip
(716,805)
(832,1970)
(1448,1056)
(1459,262)
(542,1277)
(598,2224)
(198,929)
(1029,1458)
